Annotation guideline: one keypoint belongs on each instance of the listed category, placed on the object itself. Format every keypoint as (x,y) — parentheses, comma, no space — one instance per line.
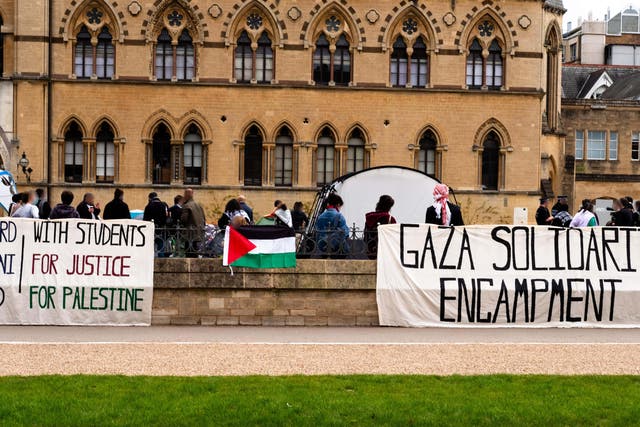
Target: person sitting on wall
(543,216)
(443,212)
(233,215)
(298,217)
(245,207)
(332,230)
(281,214)
(380,216)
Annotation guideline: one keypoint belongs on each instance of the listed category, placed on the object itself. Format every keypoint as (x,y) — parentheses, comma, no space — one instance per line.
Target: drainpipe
(49,132)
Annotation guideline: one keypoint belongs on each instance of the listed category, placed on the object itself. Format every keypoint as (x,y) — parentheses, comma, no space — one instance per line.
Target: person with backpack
(156,211)
(332,230)
(381,216)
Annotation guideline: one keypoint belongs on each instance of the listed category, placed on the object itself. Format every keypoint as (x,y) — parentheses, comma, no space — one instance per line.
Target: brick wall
(316,293)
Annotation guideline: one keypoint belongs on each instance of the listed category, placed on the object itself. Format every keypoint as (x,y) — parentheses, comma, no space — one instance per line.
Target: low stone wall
(316,293)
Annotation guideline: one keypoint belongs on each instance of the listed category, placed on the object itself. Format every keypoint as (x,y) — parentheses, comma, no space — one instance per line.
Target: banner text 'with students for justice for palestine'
(518,276)
(76,272)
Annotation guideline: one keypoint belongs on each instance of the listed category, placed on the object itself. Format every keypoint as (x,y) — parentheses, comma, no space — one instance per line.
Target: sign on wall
(76,272)
(508,276)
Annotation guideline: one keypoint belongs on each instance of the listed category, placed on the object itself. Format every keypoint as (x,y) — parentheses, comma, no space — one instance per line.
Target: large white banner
(76,272)
(508,276)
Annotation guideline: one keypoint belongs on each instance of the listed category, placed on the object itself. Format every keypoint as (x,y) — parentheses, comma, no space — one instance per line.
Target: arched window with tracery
(193,156)
(485,65)
(254,52)
(552,44)
(94,54)
(174,49)
(105,154)
(356,154)
(491,162)
(427,154)
(332,54)
(73,153)
(284,158)
(253,156)
(325,156)
(161,155)
(409,58)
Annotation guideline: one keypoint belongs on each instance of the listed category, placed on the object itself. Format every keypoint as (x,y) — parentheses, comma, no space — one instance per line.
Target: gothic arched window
(253,156)
(427,155)
(325,157)
(284,158)
(491,162)
(73,153)
(193,154)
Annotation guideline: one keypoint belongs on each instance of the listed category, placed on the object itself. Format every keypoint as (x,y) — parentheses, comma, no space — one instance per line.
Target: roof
(556,4)
(624,88)
(578,80)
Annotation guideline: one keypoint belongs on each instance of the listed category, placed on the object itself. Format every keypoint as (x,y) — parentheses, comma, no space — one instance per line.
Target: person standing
(623,215)
(87,209)
(156,210)
(193,217)
(117,208)
(381,216)
(443,212)
(585,216)
(28,209)
(44,208)
(636,214)
(245,207)
(298,217)
(64,210)
(281,214)
(175,211)
(561,205)
(332,229)
(543,216)
(16,203)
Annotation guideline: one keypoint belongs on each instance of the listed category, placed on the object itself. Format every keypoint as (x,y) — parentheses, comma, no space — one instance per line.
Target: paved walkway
(314,351)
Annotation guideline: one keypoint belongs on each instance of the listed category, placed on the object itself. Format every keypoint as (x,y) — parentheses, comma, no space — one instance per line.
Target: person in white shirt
(28,208)
(585,217)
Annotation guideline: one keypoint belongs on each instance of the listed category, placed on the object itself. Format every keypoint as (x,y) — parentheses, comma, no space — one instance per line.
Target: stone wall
(316,293)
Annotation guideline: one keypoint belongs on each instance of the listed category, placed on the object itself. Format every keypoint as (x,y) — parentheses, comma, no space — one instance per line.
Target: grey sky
(598,8)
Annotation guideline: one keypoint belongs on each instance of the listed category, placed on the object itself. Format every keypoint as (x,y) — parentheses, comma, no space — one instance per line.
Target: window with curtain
(264,59)
(579,145)
(419,64)
(399,61)
(193,156)
(161,155)
(322,61)
(105,154)
(253,157)
(185,57)
(596,145)
(342,62)
(474,65)
(325,157)
(105,55)
(284,158)
(73,153)
(355,151)
(243,59)
(490,162)
(83,58)
(427,153)
(494,66)
(164,56)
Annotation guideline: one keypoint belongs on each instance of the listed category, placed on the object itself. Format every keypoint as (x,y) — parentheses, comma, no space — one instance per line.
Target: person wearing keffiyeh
(443,212)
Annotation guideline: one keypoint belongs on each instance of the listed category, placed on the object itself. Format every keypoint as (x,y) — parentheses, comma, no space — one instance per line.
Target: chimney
(568,26)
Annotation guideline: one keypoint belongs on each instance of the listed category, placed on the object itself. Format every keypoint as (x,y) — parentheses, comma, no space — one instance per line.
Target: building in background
(274,99)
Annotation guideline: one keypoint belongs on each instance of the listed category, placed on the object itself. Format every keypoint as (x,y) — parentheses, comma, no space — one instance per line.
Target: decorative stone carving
(134,8)
(373,16)
(449,19)
(215,11)
(294,13)
(524,22)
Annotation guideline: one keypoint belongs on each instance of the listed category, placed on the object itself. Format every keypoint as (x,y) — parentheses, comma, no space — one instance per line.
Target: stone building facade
(273,98)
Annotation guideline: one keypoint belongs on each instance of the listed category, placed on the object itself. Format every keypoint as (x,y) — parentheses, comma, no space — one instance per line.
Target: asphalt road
(189,351)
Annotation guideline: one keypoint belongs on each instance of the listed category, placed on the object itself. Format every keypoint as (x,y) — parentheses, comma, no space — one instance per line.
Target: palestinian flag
(260,247)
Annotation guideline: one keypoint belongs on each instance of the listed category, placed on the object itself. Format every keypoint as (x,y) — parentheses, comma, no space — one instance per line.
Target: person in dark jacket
(87,209)
(156,210)
(175,211)
(543,216)
(117,208)
(44,208)
(623,215)
(381,216)
(245,207)
(298,217)
(443,212)
(64,210)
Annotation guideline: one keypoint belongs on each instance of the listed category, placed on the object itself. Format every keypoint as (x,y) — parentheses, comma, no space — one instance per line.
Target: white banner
(76,272)
(508,276)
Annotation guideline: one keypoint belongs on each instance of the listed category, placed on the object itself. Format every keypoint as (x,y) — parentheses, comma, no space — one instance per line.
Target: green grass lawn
(318,401)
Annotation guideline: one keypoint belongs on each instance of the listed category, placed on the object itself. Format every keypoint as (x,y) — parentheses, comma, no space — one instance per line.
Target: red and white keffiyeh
(441,197)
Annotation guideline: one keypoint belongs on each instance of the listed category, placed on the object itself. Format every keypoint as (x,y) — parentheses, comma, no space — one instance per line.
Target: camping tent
(412,191)
(7,189)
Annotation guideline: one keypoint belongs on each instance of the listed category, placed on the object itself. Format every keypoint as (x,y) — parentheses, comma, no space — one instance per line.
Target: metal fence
(208,242)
